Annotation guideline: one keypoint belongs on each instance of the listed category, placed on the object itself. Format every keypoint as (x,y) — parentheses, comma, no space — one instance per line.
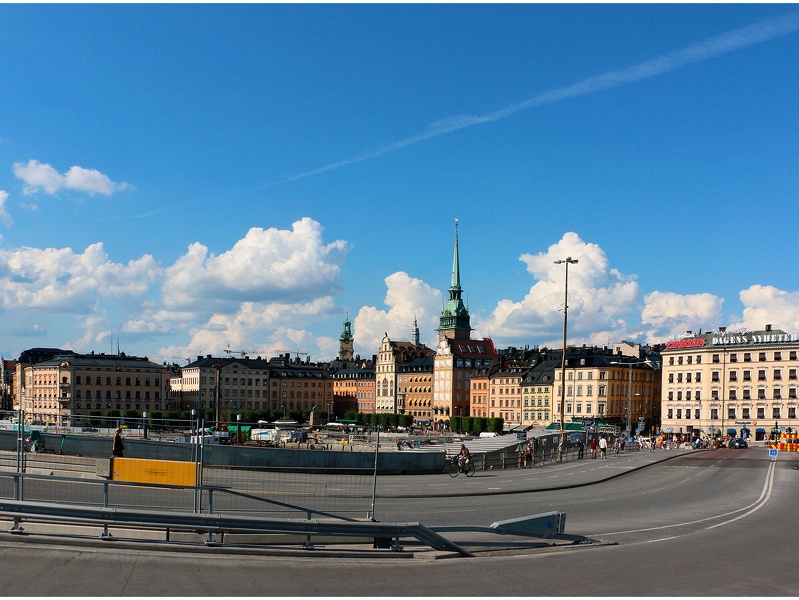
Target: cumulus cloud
(267,264)
(4,216)
(599,296)
(407,298)
(670,314)
(767,305)
(43,177)
(59,280)
(259,329)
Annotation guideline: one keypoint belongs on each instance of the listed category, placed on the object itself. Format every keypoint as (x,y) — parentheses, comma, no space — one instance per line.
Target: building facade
(731,383)
(415,389)
(68,388)
(390,360)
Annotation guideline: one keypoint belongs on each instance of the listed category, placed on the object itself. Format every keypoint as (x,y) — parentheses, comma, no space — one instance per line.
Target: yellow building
(731,383)
(63,389)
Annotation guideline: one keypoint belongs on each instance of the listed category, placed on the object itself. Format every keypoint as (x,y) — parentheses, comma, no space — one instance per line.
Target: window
(714,413)
(733,358)
(761,374)
(775,412)
(679,413)
(762,357)
(747,357)
(696,414)
(745,412)
(733,394)
(730,412)
(791,412)
(670,414)
(733,375)
(761,412)
(714,376)
(777,374)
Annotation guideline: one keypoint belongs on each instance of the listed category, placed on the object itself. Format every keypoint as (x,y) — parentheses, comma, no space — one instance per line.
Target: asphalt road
(717,523)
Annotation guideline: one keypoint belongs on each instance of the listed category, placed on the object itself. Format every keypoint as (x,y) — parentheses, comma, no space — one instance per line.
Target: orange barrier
(789,442)
(141,470)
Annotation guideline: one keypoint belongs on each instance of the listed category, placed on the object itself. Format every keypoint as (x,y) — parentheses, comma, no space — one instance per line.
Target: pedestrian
(519,455)
(593,448)
(580,448)
(623,442)
(117,446)
(528,455)
(603,448)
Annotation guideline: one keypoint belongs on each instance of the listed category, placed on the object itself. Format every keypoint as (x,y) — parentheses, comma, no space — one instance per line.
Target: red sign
(690,343)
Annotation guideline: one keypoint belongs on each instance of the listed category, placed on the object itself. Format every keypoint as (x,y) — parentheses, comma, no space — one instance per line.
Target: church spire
(454,321)
(456,266)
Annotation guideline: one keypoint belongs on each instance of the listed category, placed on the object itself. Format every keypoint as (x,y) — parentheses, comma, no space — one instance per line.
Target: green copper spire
(454,321)
(456,266)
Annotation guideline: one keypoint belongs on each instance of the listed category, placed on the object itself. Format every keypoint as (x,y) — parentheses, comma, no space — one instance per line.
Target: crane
(243,353)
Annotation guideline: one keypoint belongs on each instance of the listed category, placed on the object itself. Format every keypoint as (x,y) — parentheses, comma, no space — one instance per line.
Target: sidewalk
(551,476)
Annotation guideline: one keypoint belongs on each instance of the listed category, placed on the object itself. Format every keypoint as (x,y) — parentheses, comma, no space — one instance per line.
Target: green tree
(93,419)
(496,424)
(455,423)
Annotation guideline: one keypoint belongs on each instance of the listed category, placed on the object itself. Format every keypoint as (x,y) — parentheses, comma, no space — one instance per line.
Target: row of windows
(117,380)
(118,405)
(530,416)
(746,394)
(136,395)
(777,355)
(732,413)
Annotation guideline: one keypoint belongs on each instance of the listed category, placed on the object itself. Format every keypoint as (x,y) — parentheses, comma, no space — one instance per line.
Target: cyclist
(463,457)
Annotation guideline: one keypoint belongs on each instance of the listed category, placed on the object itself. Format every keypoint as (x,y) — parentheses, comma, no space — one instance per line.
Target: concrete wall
(245,456)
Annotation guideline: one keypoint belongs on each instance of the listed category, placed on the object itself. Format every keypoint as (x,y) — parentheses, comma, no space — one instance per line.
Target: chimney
(768,327)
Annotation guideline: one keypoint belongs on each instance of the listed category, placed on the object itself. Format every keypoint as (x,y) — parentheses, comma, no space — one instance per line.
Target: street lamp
(630,389)
(567,261)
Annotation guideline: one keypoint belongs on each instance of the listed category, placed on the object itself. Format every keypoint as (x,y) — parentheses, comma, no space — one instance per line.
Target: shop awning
(566,426)
(760,430)
(731,431)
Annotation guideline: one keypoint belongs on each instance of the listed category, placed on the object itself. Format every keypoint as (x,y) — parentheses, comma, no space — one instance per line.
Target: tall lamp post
(567,261)
(630,390)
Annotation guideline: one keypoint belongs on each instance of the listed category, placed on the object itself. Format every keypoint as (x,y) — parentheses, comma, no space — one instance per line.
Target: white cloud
(407,298)
(271,264)
(259,329)
(43,177)
(598,297)
(59,280)
(4,216)
(767,305)
(670,314)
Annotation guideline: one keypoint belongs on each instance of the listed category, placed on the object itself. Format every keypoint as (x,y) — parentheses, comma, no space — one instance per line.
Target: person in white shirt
(603,447)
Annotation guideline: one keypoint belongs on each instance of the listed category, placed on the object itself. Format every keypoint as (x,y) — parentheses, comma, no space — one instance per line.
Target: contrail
(710,48)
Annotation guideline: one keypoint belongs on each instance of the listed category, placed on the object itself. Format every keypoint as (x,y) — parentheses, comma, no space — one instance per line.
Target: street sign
(521,435)
(667,429)
(772,452)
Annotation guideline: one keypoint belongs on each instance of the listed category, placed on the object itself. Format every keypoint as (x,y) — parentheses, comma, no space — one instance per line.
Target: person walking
(603,448)
(117,446)
(580,448)
(528,456)
(593,447)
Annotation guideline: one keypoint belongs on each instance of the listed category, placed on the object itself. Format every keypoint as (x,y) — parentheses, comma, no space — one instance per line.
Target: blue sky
(190,178)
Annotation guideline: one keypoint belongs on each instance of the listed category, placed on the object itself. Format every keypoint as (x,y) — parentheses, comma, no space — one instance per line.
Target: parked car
(738,443)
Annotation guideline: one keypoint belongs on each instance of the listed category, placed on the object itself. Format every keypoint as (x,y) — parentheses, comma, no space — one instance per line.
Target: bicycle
(38,447)
(453,468)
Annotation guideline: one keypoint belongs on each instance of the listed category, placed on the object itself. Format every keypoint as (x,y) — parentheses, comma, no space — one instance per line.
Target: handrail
(217,523)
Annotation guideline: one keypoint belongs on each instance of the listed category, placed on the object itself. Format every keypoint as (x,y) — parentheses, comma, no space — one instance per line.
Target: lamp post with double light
(567,261)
